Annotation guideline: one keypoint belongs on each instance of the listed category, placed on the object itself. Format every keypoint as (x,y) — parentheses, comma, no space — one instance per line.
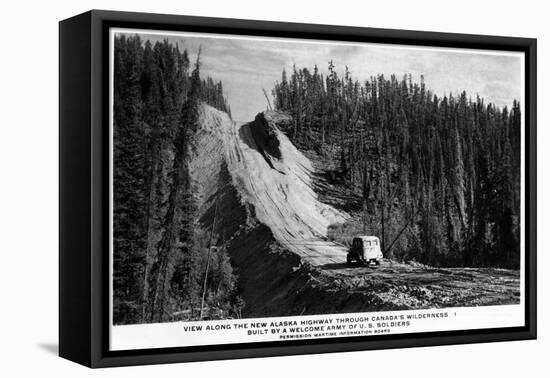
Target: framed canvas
(235,188)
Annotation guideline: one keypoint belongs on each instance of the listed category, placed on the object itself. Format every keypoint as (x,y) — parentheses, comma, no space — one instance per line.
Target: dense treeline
(160,254)
(436,178)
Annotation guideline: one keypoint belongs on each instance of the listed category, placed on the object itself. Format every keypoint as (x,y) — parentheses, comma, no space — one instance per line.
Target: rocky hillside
(257,191)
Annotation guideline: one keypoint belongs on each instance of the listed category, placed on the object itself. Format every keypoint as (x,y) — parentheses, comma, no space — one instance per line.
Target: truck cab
(365,250)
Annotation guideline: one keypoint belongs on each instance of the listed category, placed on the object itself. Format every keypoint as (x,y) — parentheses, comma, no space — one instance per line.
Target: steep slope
(276,181)
(271,176)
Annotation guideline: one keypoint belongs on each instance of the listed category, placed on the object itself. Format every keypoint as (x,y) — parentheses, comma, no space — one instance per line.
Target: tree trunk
(169,243)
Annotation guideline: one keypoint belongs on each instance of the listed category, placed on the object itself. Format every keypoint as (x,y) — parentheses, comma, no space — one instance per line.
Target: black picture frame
(83,196)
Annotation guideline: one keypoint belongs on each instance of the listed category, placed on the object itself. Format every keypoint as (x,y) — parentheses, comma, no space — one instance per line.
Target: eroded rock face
(265,136)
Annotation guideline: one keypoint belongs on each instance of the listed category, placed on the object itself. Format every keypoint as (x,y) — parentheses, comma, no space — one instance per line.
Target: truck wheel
(377,262)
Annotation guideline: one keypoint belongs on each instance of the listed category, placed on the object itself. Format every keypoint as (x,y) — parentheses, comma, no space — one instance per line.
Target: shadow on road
(335,266)
(342,266)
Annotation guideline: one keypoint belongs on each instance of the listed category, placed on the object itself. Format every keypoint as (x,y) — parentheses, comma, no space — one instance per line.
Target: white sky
(245,65)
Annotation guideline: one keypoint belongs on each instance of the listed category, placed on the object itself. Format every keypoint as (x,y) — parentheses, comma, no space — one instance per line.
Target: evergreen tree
(155,117)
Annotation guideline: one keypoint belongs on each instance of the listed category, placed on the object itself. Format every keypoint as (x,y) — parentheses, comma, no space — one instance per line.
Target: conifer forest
(159,252)
(436,176)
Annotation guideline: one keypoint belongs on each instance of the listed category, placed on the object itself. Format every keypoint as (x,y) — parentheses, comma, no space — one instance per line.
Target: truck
(365,250)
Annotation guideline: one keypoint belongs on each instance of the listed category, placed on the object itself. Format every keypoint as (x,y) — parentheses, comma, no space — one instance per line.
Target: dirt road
(417,286)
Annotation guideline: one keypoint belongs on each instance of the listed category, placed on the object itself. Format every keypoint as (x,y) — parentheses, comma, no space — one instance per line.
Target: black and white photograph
(272,178)
(274,189)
